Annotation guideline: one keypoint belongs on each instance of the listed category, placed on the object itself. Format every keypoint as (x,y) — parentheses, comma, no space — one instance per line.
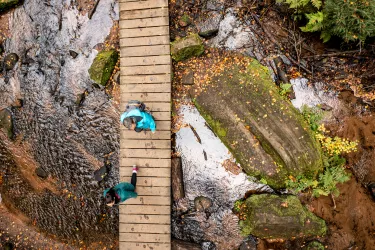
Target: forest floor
(347,70)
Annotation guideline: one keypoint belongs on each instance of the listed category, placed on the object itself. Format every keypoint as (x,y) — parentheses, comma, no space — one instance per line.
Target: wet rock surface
(49,81)
(275,217)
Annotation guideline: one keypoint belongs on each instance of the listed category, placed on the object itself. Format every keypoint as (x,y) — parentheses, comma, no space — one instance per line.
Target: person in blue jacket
(136,118)
(122,191)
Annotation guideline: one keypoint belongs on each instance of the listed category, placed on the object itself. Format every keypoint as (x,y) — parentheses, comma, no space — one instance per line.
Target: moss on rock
(265,133)
(187,47)
(7,4)
(102,67)
(280,217)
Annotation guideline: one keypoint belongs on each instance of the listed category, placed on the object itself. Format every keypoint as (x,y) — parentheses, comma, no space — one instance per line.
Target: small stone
(208,26)
(41,173)
(215,5)
(202,203)
(325,107)
(6,123)
(73,54)
(187,47)
(249,244)
(18,103)
(184,21)
(188,78)
(10,61)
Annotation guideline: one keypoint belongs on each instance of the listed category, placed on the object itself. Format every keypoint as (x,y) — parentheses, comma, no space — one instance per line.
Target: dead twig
(94,9)
(195,133)
(334,202)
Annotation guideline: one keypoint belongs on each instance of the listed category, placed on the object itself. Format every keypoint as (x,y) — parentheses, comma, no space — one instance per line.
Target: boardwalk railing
(146,76)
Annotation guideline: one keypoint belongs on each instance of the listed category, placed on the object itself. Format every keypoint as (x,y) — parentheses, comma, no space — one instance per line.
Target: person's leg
(134,176)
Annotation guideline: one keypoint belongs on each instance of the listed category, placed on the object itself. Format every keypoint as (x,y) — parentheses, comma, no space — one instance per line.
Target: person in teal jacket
(136,118)
(122,191)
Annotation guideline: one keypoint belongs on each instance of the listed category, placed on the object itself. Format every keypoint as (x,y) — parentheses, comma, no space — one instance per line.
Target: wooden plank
(147,60)
(140,228)
(145,144)
(144,237)
(147,13)
(156,88)
(149,200)
(145,135)
(144,32)
(143,4)
(153,107)
(144,246)
(148,163)
(146,153)
(145,172)
(165,78)
(161,116)
(147,97)
(151,182)
(146,209)
(146,70)
(154,181)
(145,219)
(153,50)
(144,22)
(139,41)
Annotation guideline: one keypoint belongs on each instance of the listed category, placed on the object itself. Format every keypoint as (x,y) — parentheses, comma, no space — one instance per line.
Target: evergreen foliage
(351,20)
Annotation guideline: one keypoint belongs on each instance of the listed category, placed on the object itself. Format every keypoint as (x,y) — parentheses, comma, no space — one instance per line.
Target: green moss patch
(187,47)
(265,133)
(280,217)
(103,66)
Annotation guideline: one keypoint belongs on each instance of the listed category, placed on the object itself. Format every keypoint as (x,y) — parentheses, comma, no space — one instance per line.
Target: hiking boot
(135,169)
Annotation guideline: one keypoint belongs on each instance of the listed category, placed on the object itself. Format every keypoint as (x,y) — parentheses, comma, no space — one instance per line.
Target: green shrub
(351,20)
(334,172)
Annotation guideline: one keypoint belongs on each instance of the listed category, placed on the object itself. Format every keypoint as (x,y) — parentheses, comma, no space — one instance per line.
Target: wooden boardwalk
(146,76)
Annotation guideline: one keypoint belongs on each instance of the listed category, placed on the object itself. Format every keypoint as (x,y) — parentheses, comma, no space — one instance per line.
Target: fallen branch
(94,9)
(334,202)
(195,133)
